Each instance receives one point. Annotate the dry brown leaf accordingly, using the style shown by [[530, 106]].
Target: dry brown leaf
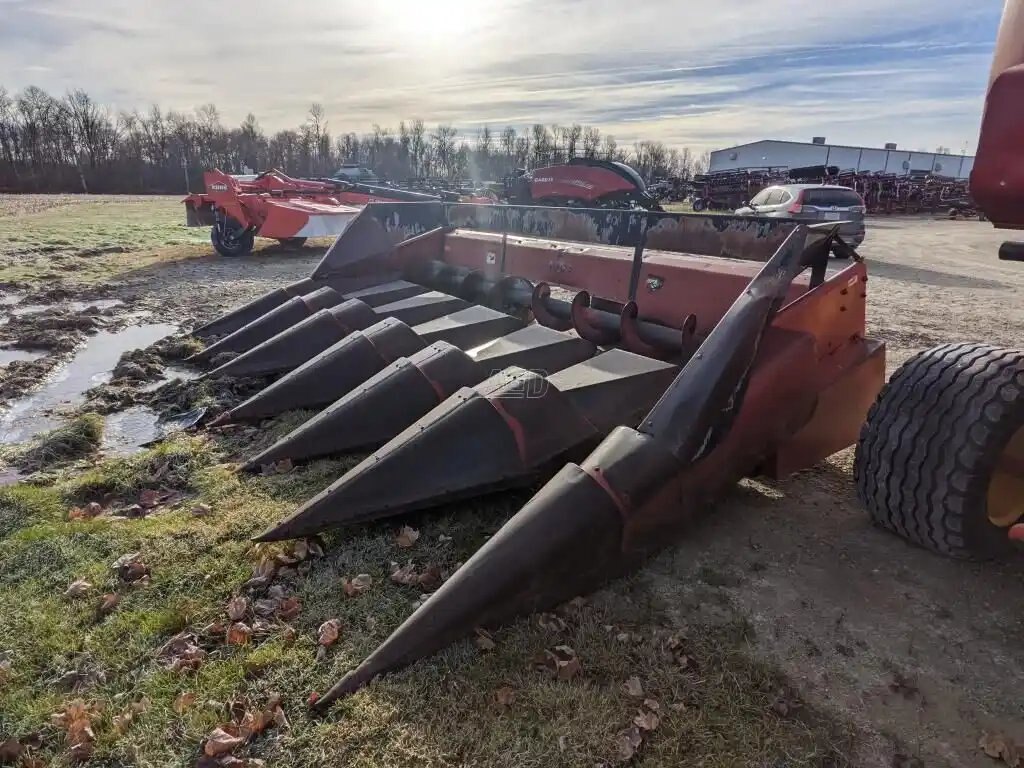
[[315, 550], [201, 510], [289, 608], [239, 634], [328, 632], [222, 741], [357, 585], [122, 722], [288, 636], [647, 721], [265, 608], [183, 701], [406, 575], [10, 751], [107, 604], [628, 743], [484, 641], [407, 537], [81, 751], [566, 664], [237, 608], [142, 705], [999, 746], [430, 579], [77, 588], [652, 704], [88, 512], [551, 622], [633, 687], [505, 696], [130, 567]]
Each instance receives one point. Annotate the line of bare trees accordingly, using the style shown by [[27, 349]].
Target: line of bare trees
[[74, 144]]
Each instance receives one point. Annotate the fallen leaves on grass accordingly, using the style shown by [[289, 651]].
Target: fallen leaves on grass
[[429, 579], [628, 742], [561, 662], [357, 585], [328, 633], [999, 746], [282, 467], [123, 721], [77, 588], [183, 702], [76, 719], [647, 721], [484, 641], [239, 633], [10, 751], [130, 568], [633, 687], [222, 741], [551, 622], [182, 653], [88, 512], [407, 537], [505, 696], [237, 607], [107, 604], [201, 510]]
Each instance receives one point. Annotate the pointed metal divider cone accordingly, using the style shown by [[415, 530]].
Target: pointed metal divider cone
[[291, 348], [342, 367], [502, 433], [373, 289], [276, 320], [303, 341], [372, 414], [592, 522]]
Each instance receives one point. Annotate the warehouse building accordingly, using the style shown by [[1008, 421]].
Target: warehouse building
[[795, 154]]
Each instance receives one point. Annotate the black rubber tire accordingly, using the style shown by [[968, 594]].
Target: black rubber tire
[[699, 204], [240, 245], [292, 242], [931, 442]]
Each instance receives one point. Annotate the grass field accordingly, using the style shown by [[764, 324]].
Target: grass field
[[142, 664]]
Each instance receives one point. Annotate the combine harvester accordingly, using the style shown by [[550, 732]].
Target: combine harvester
[[653, 359]]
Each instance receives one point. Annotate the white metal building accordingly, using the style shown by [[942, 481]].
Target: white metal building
[[794, 154]]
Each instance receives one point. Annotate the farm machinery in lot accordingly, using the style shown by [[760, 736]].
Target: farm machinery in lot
[[239, 209], [639, 362]]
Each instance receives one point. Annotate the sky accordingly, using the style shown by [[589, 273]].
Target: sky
[[703, 75]]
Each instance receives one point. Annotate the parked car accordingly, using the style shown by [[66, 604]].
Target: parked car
[[812, 202]]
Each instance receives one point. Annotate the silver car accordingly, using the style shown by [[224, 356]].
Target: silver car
[[812, 202]]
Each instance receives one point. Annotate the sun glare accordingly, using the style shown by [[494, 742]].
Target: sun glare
[[433, 22]]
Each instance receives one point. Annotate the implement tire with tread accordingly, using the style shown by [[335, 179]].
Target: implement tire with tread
[[932, 442]]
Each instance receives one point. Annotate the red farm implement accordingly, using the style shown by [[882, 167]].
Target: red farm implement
[[640, 362], [239, 209]]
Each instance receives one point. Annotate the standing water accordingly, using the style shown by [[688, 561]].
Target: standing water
[[92, 365]]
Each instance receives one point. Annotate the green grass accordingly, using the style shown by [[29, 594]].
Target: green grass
[[88, 238], [77, 439], [716, 711]]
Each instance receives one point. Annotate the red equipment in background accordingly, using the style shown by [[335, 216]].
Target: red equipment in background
[[997, 181], [583, 182], [270, 205]]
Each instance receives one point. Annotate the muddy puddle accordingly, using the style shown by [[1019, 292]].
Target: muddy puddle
[[127, 431], [8, 356], [73, 306], [66, 387]]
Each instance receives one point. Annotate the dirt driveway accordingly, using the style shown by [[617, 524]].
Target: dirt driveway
[[922, 649]]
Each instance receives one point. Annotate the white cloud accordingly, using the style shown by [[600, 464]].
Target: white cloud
[[859, 71]]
